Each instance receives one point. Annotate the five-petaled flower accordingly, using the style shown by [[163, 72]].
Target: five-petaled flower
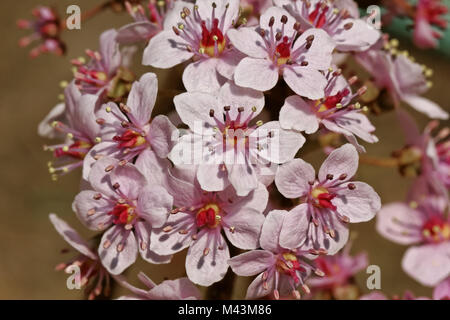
[[329, 202], [124, 204], [278, 47]]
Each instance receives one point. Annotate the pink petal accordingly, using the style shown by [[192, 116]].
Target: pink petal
[[211, 177], [248, 41], [426, 106], [256, 289], [194, 110], [165, 50], [246, 226], [252, 262], [45, 128], [442, 290], [236, 97], [206, 269], [100, 179], [282, 146], [360, 204], [428, 264], [359, 37], [277, 13], [317, 239], [163, 135], [178, 289], [305, 81], [228, 62], [295, 227], [201, 76], [271, 230], [399, 223], [154, 205], [292, 178], [358, 124], [145, 251], [71, 236], [318, 55], [136, 32], [258, 74], [130, 180], [142, 97], [152, 167], [109, 50], [343, 160], [257, 199], [113, 260], [85, 203], [243, 177], [166, 243], [298, 115]]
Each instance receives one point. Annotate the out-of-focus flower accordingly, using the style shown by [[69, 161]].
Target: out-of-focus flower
[[252, 10], [273, 49], [200, 32], [327, 203], [46, 27], [424, 157], [281, 265], [340, 271], [429, 14], [93, 276], [427, 226], [349, 34], [404, 79], [159, 16], [75, 122], [127, 207], [106, 74], [226, 146], [179, 289], [198, 220], [335, 112], [131, 129]]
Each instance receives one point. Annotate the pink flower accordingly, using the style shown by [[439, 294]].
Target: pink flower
[[273, 49], [226, 146], [198, 220], [281, 268], [335, 112], [46, 28], [160, 15], [424, 157], [106, 67], [94, 276], [79, 130], [179, 289], [131, 130], [404, 79], [425, 225], [328, 202], [348, 33], [429, 13], [127, 207], [200, 33], [339, 269]]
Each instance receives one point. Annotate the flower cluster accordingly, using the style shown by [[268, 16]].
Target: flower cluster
[[205, 178]]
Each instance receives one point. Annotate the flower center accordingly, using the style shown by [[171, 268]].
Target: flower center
[[322, 198], [208, 216], [213, 42], [283, 51], [318, 17], [124, 213], [331, 101], [77, 150], [288, 264], [436, 230], [130, 139]]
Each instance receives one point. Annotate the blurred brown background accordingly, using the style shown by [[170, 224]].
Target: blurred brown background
[[30, 247]]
